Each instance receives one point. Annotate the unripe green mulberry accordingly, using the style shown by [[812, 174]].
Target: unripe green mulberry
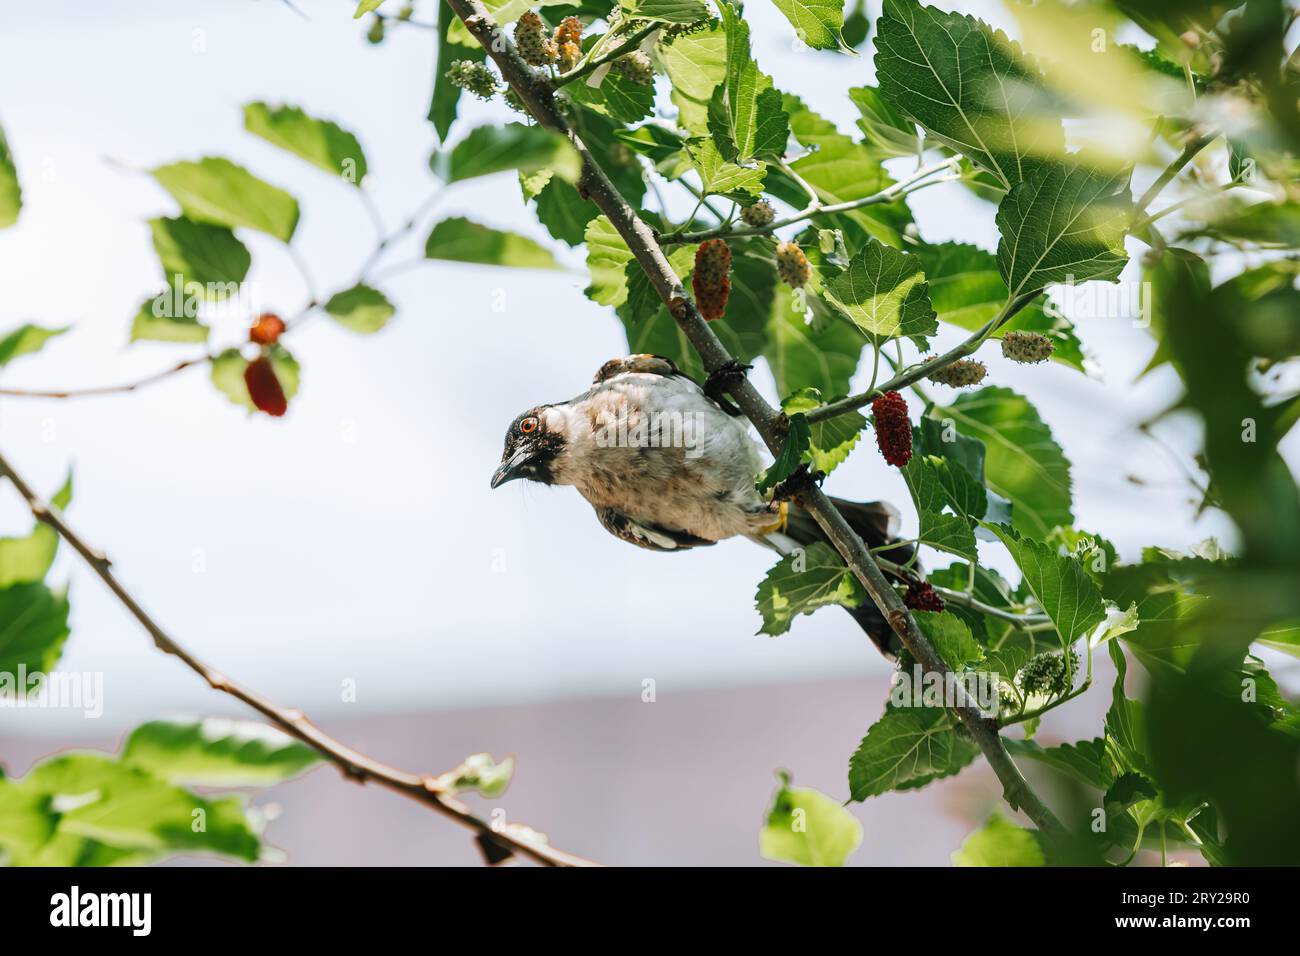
[[759, 214], [534, 45], [1046, 673], [792, 265], [711, 281], [474, 78], [960, 374], [376, 32], [636, 66], [1027, 347]]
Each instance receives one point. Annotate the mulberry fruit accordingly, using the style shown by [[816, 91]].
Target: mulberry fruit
[[960, 374], [921, 596], [792, 265], [376, 32], [758, 215], [534, 45], [568, 43], [1027, 347], [266, 330], [1046, 673], [264, 388], [893, 428], [711, 281], [474, 78], [635, 66]]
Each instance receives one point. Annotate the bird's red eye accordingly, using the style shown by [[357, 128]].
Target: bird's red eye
[[528, 425]]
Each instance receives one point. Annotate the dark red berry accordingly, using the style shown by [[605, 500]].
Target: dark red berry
[[711, 281], [267, 329], [264, 388], [893, 428], [921, 596]]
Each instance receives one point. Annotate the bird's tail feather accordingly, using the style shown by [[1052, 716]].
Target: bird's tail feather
[[877, 523]]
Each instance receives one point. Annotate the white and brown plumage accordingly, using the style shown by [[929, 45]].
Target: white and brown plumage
[[666, 467]]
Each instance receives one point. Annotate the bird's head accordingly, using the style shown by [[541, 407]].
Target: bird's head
[[533, 442]]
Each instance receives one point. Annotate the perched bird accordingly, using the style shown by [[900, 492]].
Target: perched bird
[[669, 465]]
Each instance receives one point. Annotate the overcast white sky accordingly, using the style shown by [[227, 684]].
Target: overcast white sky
[[372, 559]]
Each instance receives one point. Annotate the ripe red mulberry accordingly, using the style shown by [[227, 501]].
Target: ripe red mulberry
[[960, 374], [759, 214], [921, 596], [711, 281], [534, 45], [264, 388], [893, 428], [792, 265], [267, 329], [1027, 347]]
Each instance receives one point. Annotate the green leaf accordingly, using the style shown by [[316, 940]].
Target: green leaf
[[209, 257], [607, 259], [494, 149], [228, 374], [320, 142], [127, 808], [884, 292], [794, 450], [1064, 224], [33, 629], [807, 827], [718, 177], [623, 100], [1000, 843], [564, 213], [11, 194], [968, 86], [665, 11], [908, 748], [154, 323], [1085, 761], [25, 340], [216, 191], [830, 440], [1165, 636], [1063, 588], [951, 638], [816, 22], [1023, 464], [696, 64], [361, 309], [937, 485], [216, 752], [967, 290], [884, 127], [366, 6], [806, 351], [803, 581], [29, 558], [460, 240], [745, 115], [446, 95]]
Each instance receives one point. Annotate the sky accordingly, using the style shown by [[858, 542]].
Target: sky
[[356, 541]]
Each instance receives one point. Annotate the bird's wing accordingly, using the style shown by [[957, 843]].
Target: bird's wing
[[652, 364], [647, 535]]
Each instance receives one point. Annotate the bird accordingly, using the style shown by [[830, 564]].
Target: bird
[[668, 464]]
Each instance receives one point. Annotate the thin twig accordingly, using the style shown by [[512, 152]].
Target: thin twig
[[816, 207], [424, 788], [771, 425], [107, 389], [1172, 170]]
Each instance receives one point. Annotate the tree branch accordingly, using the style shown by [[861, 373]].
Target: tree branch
[[537, 95], [423, 788]]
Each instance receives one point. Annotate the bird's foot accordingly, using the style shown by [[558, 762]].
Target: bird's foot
[[722, 380], [800, 481]]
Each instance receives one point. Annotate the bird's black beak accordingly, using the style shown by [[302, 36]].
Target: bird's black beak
[[512, 469]]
